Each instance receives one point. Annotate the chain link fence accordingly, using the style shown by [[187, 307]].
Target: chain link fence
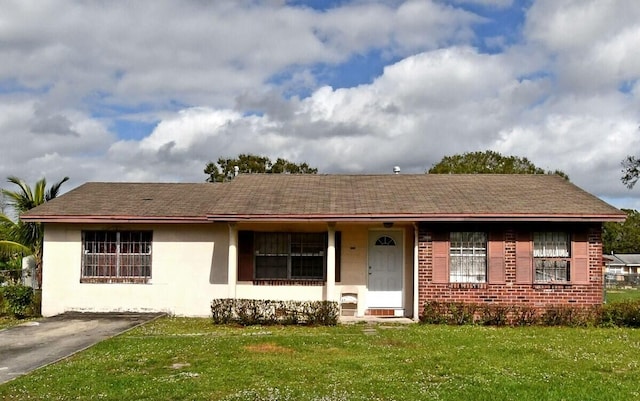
[[622, 280]]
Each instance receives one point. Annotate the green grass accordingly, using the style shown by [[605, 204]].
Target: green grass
[[190, 359], [621, 295]]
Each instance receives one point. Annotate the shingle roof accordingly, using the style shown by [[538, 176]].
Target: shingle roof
[[129, 201], [624, 259], [418, 197]]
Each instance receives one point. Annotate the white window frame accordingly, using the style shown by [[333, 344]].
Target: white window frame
[[468, 257], [551, 257]]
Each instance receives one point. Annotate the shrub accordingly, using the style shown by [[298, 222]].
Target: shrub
[[495, 315], [524, 316], [461, 313], [248, 312], [18, 298], [457, 313], [433, 313], [222, 310], [621, 314]]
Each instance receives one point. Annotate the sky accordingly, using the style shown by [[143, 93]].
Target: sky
[[154, 90]]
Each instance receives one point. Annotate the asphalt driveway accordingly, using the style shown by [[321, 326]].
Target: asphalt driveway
[[34, 344]]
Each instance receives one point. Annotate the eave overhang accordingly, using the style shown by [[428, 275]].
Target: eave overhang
[[587, 218], [116, 219], [391, 217]]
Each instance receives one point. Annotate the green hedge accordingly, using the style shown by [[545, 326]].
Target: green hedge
[[248, 312], [18, 299], [619, 314]]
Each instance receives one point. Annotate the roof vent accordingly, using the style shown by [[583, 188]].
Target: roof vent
[[396, 170], [236, 169]]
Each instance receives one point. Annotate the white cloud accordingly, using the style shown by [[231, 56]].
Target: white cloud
[[203, 71], [487, 3], [593, 43]]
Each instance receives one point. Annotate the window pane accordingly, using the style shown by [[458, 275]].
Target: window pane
[[290, 255], [307, 267], [116, 254], [468, 257], [550, 251], [310, 244], [271, 267], [551, 244], [552, 270], [273, 244]]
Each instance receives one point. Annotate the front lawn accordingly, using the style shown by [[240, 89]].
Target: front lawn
[[622, 294], [190, 359]]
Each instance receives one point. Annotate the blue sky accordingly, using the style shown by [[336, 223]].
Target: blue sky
[[152, 91]]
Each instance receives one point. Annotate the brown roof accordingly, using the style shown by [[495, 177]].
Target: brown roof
[[276, 197], [111, 201]]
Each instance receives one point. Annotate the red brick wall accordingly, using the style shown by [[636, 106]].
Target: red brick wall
[[510, 292]]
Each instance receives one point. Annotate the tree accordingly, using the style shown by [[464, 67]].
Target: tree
[[223, 169], [630, 171], [488, 162], [622, 237], [26, 238]]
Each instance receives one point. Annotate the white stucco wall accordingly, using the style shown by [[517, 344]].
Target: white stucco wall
[[185, 272], [190, 268]]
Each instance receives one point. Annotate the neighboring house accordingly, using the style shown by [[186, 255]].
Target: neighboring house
[[622, 268], [385, 243], [622, 263]]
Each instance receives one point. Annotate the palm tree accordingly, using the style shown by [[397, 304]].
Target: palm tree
[[26, 238]]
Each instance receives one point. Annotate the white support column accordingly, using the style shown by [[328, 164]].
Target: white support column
[[331, 262], [416, 269], [233, 260]]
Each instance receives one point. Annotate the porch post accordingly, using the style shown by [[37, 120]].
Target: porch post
[[233, 260], [416, 281], [331, 262]]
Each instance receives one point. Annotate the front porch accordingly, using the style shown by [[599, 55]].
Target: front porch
[[368, 268]]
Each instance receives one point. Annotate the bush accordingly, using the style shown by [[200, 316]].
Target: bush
[[454, 313], [524, 316], [248, 312], [621, 314], [496, 315], [19, 299], [433, 313]]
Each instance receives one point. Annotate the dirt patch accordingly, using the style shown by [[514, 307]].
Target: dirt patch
[[267, 348]]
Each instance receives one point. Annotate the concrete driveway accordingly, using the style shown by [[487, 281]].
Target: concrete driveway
[[34, 344]]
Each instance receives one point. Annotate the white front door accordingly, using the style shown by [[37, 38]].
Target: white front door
[[385, 269]]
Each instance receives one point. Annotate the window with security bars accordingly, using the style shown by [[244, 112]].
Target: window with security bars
[[116, 255], [551, 256], [468, 257], [290, 256]]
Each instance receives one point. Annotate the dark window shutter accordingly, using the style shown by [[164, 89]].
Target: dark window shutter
[[245, 255], [440, 273], [524, 258], [496, 258], [580, 259], [338, 254]]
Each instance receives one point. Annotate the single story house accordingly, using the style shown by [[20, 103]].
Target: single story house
[[622, 269], [384, 243], [622, 263]]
